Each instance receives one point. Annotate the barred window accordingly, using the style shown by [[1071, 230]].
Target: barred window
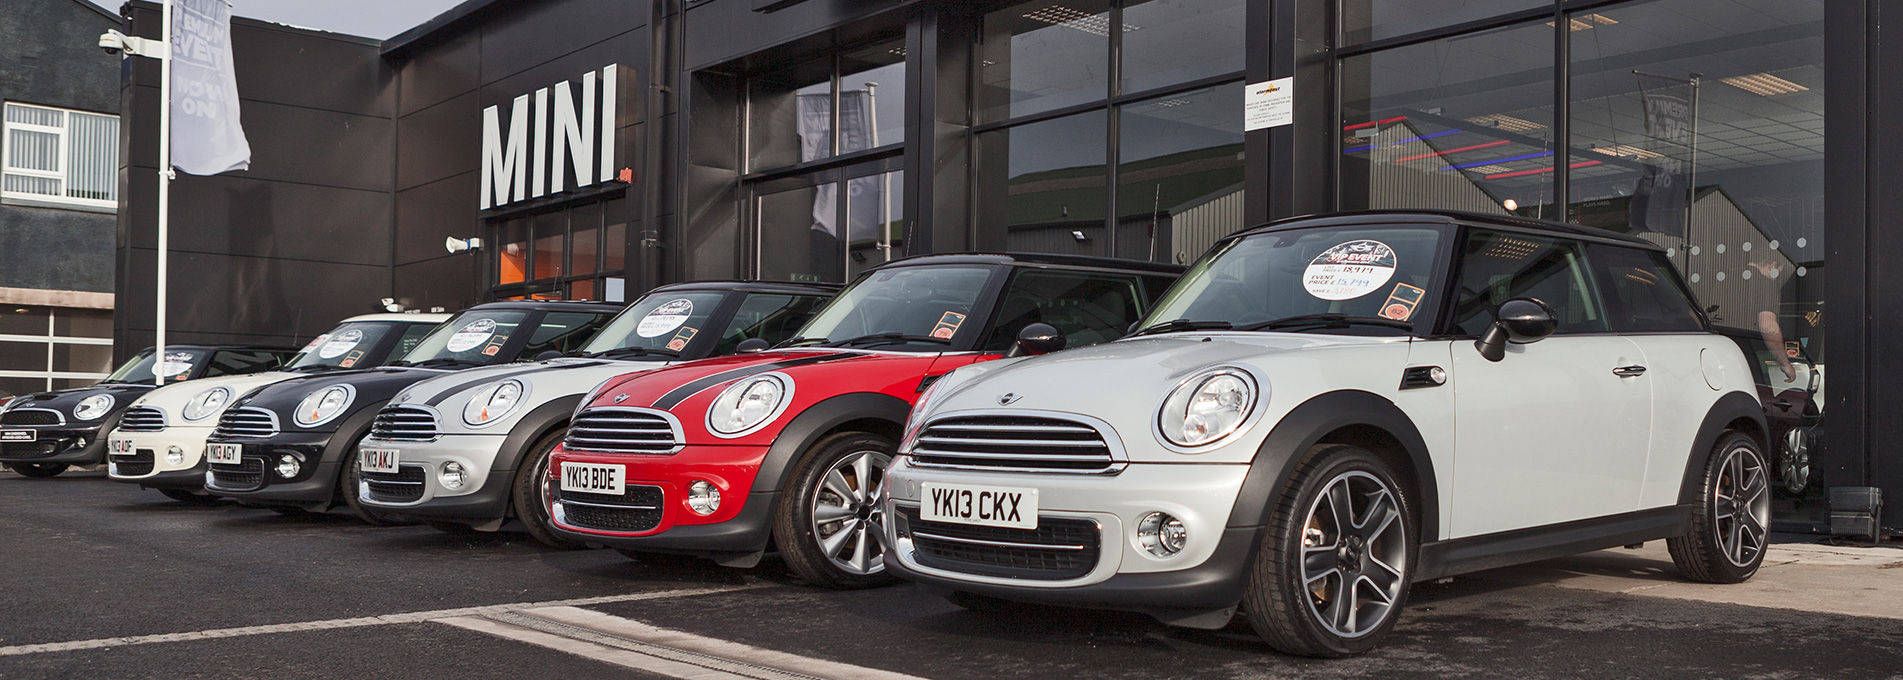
[[60, 156]]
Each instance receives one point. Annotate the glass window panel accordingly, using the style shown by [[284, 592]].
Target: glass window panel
[[1087, 308], [92, 165], [773, 318], [22, 356], [1641, 292], [82, 323], [11, 387], [1043, 184], [583, 289], [34, 115], [512, 258], [1179, 181], [872, 97], [551, 230], [584, 245], [82, 358], [1166, 42], [1497, 267], [1463, 123], [799, 235], [33, 150], [22, 320], [614, 248], [563, 332], [875, 220], [1365, 20], [1042, 55], [70, 383], [791, 115]]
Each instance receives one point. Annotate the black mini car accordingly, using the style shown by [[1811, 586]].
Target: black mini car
[[43, 434], [287, 445]]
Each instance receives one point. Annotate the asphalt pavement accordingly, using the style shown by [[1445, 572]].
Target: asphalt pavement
[[104, 580]]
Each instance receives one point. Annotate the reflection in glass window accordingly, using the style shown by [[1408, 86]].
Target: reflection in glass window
[[1050, 196], [875, 221], [930, 301], [1497, 267], [1087, 308], [872, 97], [799, 235], [1166, 42], [1179, 180], [773, 318], [1265, 276], [1041, 55], [512, 257], [790, 114], [1463, 123], [1365, 20], [550, 230]]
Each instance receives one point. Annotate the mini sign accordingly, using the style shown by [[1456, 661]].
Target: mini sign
[[558, 138]]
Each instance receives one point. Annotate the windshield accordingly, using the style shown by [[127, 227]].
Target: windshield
[[659, 322], [924, 308], [177, 367], [1362, 271], [345, 346], [473, 338]]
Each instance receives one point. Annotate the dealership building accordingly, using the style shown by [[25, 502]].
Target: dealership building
[[597, 148]]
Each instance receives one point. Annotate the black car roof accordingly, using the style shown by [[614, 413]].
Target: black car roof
[[1140, 266], [1423, 216], [751, 287], [605, 307]]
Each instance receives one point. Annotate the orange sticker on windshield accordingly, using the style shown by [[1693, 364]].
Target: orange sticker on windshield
[[948, 324], [681, 338], [1402, 302]]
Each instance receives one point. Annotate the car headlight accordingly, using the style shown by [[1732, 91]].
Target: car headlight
[[1207, 407], [746, 406], [915, 420], [93, 407], [493, 402], [324, 405], [207, 404]]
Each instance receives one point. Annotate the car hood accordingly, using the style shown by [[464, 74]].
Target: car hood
[[542, 382], [63, 401], [863, 371], [172, 398]]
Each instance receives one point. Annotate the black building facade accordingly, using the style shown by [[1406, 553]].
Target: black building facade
[[600, 147]]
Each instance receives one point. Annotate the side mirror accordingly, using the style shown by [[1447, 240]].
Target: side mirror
[[1039, 338], [1518, 321], [751, 345], [550, 354]]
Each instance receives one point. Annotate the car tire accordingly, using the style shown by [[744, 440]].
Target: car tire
[[1309, 564], [38, 470], [347, 485], [826, 523], [189, 498], [1731, 521], [530, 493]]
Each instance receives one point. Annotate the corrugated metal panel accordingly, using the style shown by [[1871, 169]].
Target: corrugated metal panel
[[1195, 228]]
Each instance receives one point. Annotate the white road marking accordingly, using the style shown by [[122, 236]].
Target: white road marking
[[358, 622]]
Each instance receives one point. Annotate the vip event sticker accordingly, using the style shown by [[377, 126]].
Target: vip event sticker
[[1349, 270], [1402, 302], [665, 318], [175, 364], [340, 344], [472, 335], [948, 324]]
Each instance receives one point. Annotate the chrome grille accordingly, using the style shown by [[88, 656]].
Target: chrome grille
[[246, 423], [1060, 548], [142, 419], [1034, 443], [624, 430], [404, 423], [403, 486], [636, 509]]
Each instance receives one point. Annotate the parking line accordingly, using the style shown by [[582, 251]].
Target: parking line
[[359, 622]]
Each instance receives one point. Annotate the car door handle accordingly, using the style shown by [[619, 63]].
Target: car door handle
[[1632, 371]]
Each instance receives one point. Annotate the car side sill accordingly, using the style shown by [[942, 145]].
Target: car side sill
[[1441, 559]]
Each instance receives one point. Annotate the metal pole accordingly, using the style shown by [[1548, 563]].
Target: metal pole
[[884, 244], [165, 183], [1691, 170]]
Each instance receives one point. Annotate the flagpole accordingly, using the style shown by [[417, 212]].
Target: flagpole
[[165, 184]]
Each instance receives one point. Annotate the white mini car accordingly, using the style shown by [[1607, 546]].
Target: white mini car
[[470, 449], [160, 441], [1326, 410]]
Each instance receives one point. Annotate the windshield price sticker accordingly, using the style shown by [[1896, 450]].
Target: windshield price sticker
[[337, 346], [1349, 270], [948, 324], [665, 318], [680, 340], [175, 364], [1402, 302], [351, 360], [472, 335]]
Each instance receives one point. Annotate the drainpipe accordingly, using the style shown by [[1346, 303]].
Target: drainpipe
[[661, 26]]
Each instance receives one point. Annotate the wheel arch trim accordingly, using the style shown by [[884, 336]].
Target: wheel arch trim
[[1311, 422], [1728, 409]]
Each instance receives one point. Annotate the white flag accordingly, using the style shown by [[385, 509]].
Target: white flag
[[207, 137]]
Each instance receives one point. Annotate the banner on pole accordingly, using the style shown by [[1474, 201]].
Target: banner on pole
[[1661, 202], [207, 137]]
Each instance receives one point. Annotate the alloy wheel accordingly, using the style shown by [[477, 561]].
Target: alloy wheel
[[845, 512], [1741, 505], [1354, 554], [1794, 465]]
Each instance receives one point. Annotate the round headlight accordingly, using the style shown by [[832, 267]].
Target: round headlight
[[288, 466], [207, 404], [748, 405], [453, 475], [1207, 407], [324, 405], [703, 497], [93, 407], [493, 402]]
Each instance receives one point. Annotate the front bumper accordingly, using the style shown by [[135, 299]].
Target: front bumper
[[417, 490], [1206, 576], [149, 465], [653, 513], [256, 480], [61, 444]]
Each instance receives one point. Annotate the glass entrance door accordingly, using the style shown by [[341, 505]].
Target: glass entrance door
[[827, 227]]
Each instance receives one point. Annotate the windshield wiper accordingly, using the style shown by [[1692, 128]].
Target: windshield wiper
[[1325, 320], [889, 336], [313, 368], [442, 361], [797, 342], [629, 351], [1175, 325]]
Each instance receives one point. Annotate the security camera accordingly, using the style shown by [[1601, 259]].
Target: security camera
[[114, 42], [456, 245]]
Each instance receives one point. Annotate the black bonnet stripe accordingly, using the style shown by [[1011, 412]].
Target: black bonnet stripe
[[679, 394], [447, 392]]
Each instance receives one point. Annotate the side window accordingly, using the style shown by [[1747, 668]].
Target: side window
[[1642, 292], [773, 318], [235, 362], [563, 332], [413, 335], [1087, 308], [1496, 267]]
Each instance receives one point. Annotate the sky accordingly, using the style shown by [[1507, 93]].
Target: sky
[[368, 18]]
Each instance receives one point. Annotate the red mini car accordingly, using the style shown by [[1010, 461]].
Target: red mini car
[[724, 458]]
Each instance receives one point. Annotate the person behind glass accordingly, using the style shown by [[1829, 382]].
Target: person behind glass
[[1770, 329]]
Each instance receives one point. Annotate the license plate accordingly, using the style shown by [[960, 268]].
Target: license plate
[[224, 454], [990, 506], [594, 478], [119, 446], [19, 436], [376, 460]]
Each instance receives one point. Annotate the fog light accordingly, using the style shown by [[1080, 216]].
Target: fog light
[[453, 475], [174, 455], [702, 497], [1161, 535], [288, 466], [208, 479]]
